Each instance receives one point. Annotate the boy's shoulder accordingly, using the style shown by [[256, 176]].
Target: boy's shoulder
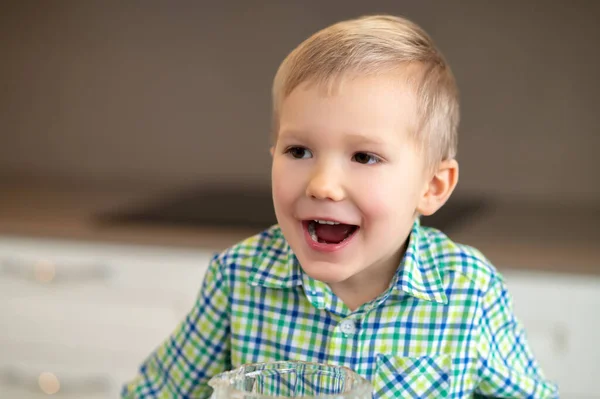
[[450, 257], [268, 253]]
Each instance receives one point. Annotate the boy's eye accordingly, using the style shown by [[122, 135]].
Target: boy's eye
[[366, 158], [299, 152]]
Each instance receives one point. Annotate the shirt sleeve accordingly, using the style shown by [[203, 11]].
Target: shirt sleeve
[[197, 350], [509, 369]]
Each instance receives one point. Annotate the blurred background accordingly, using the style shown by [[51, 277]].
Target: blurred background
[[134, 143]]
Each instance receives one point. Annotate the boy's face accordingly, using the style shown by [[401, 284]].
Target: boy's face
[[347, 158]]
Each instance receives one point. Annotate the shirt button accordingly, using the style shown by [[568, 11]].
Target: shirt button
[[348, 327]]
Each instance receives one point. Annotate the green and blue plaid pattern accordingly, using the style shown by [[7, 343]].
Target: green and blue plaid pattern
[[444, 328]]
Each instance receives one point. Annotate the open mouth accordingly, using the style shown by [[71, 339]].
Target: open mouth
[[329, 232]]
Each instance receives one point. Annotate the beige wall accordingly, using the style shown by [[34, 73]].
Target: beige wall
[[178, 92]]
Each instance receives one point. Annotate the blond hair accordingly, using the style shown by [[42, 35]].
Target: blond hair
[[378, 44]]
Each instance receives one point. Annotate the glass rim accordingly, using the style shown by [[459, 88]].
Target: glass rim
[[363, 386]]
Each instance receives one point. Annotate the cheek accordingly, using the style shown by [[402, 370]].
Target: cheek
[[284, 182], [388, 197]]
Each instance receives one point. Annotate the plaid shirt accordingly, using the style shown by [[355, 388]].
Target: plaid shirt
[[443, 329]]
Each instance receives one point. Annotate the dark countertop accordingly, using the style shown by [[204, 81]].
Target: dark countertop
[[513, 235]]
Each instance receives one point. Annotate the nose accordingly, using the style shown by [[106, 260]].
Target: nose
[[325, 184]]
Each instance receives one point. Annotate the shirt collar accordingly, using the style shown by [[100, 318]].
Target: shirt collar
[[276, 266], [418, 274]]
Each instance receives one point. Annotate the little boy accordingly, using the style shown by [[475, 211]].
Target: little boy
[[364, 141]]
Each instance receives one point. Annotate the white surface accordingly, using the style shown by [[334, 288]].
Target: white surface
[[561, 314], [93, 330], [88, 313]]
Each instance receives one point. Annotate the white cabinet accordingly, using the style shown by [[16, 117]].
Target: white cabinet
[[561, 314], [87, 314]]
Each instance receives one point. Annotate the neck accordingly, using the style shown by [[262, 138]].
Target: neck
[[369, 284]]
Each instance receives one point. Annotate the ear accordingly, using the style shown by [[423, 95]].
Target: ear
[[272, 150], [439, 188]]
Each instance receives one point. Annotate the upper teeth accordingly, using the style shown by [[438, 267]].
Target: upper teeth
[[326, 222]]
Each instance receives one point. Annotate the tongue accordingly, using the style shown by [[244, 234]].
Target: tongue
[[332, 233]]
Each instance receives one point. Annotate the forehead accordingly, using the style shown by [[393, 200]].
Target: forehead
[[375, 106]]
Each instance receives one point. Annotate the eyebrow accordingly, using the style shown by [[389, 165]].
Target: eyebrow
[[290, 133], [364, 139], [355, 138]]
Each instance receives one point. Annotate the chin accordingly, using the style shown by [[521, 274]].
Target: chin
[[326, 272]]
